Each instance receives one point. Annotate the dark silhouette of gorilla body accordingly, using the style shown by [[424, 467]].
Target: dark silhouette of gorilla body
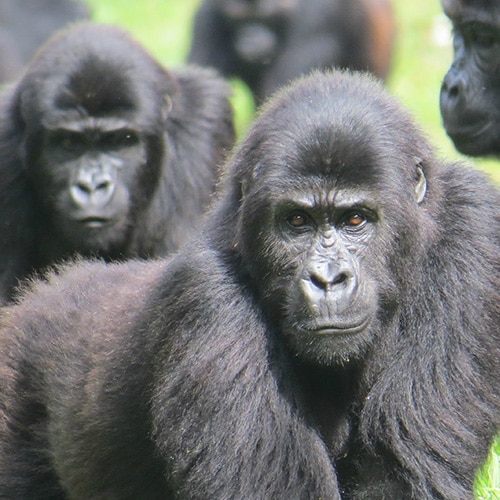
[[105, 153], [25, 25], [269, 43], [332, 332], [470, 93]]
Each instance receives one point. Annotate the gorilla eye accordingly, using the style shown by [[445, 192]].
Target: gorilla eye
[[298, 220], [484, 40], [354, 220], [119, 138], [71, 142], [480, 35]]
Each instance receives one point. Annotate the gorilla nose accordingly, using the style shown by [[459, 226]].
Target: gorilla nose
[[329, 278], [451, 91], [325, 283], [92, 188]]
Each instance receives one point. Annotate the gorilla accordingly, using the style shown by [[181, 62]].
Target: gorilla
[[470, 93], [25, 25], [268, 43], [105, 153], [332, 331]]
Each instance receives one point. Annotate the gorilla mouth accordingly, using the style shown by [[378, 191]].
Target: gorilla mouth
[[95, 222], [468, 132], [338, 328]]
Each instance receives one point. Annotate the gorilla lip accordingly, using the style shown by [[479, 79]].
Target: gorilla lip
[[95, 222], [467, 133], [333, 329]]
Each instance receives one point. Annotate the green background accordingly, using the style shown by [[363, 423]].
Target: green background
[[422, 55]]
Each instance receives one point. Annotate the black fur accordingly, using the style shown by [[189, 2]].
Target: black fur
[[267, 44], [90, 79], [196, 378]]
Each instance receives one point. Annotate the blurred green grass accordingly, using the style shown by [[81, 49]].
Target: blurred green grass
[[422, 56], [420, 59]]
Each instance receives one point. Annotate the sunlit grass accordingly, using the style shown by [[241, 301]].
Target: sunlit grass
[[488, 479]]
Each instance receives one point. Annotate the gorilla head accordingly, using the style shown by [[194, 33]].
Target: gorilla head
[[332, 216], [470, 93], [91, 133]]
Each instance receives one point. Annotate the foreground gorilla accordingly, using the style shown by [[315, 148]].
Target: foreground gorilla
[[103, 152], [268, 43], [470, 93], [331, 333]]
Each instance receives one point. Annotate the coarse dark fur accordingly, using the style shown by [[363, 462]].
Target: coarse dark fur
[[95, 106], [231, 372], [470, 93], [267, 44]]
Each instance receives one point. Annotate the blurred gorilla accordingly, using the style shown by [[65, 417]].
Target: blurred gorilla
[[25, 25], [332, 332], [105, 153], [470, 93], [267, 43]]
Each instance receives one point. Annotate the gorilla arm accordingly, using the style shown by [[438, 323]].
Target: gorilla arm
[[224, 397]]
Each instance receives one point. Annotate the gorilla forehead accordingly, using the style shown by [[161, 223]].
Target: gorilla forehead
[[324, 145], [338, 128], [92, 70]]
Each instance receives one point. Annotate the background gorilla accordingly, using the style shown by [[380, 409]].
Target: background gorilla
[[268, 43], [103, 152], [25, 25], [333, 330], [470, 93]]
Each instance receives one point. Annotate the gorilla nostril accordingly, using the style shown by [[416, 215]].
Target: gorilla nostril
[[325, 283], [319, 281], [84, 187], [454, 91], [103, 186], [340, 278]]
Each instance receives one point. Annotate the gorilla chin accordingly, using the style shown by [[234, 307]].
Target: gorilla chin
[[472, 140], [332, 344]]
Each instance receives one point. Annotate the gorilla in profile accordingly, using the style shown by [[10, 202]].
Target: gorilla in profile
[[331, 332], [105, 153], [470, 93]]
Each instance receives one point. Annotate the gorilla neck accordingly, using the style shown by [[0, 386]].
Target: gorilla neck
[[328, 394]]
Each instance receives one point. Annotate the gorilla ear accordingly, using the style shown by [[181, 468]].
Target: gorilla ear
[[168, 104], [247, 179], [421, 185]]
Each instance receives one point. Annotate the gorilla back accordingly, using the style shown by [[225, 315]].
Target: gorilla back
[[105, 153], [332, 332]]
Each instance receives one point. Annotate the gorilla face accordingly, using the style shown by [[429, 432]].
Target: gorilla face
[[318, 227], [85, 174], [314, 253], [470, 93], [94, 150]]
